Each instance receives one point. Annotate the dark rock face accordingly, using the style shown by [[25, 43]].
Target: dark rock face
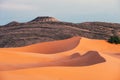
[[75, 55], [41, 30]]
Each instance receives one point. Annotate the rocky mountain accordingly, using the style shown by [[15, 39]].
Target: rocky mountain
[[42, 29]]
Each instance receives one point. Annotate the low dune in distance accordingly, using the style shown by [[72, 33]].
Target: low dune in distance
[[71, 59]]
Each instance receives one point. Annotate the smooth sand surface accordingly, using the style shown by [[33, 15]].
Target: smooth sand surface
[[99, 45], [71, 59]]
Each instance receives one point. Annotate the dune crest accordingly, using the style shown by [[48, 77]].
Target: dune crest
[[49, 47]]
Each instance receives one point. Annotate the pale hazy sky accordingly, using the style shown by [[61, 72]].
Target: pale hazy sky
[[65, 10]]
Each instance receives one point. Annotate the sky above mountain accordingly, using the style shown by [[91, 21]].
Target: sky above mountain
[[65, 10]]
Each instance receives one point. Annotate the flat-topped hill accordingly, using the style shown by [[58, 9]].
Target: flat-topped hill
[[44, 19]]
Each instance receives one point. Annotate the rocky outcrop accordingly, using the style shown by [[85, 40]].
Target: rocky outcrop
[[45, 19]]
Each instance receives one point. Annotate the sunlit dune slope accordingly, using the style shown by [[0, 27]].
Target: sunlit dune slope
[[98, 45], [9, 57]]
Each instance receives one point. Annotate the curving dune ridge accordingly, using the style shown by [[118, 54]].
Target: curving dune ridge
[[49, 47], [70, 59]]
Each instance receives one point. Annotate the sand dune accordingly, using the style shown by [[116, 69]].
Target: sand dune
[[49, 47], [99, 45], [72, 59]]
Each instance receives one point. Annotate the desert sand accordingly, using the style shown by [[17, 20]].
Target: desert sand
[[71, 59]]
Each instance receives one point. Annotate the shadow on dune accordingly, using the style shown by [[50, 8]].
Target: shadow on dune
[[117, 54], [74, 60], [89, 58]]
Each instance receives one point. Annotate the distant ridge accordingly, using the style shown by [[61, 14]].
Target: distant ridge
[[13, 23]]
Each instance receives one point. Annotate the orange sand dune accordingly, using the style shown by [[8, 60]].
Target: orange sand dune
[[61, 60], [98, 45], [49, 47]]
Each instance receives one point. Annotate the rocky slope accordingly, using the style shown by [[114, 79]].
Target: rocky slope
[[42, 29]]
